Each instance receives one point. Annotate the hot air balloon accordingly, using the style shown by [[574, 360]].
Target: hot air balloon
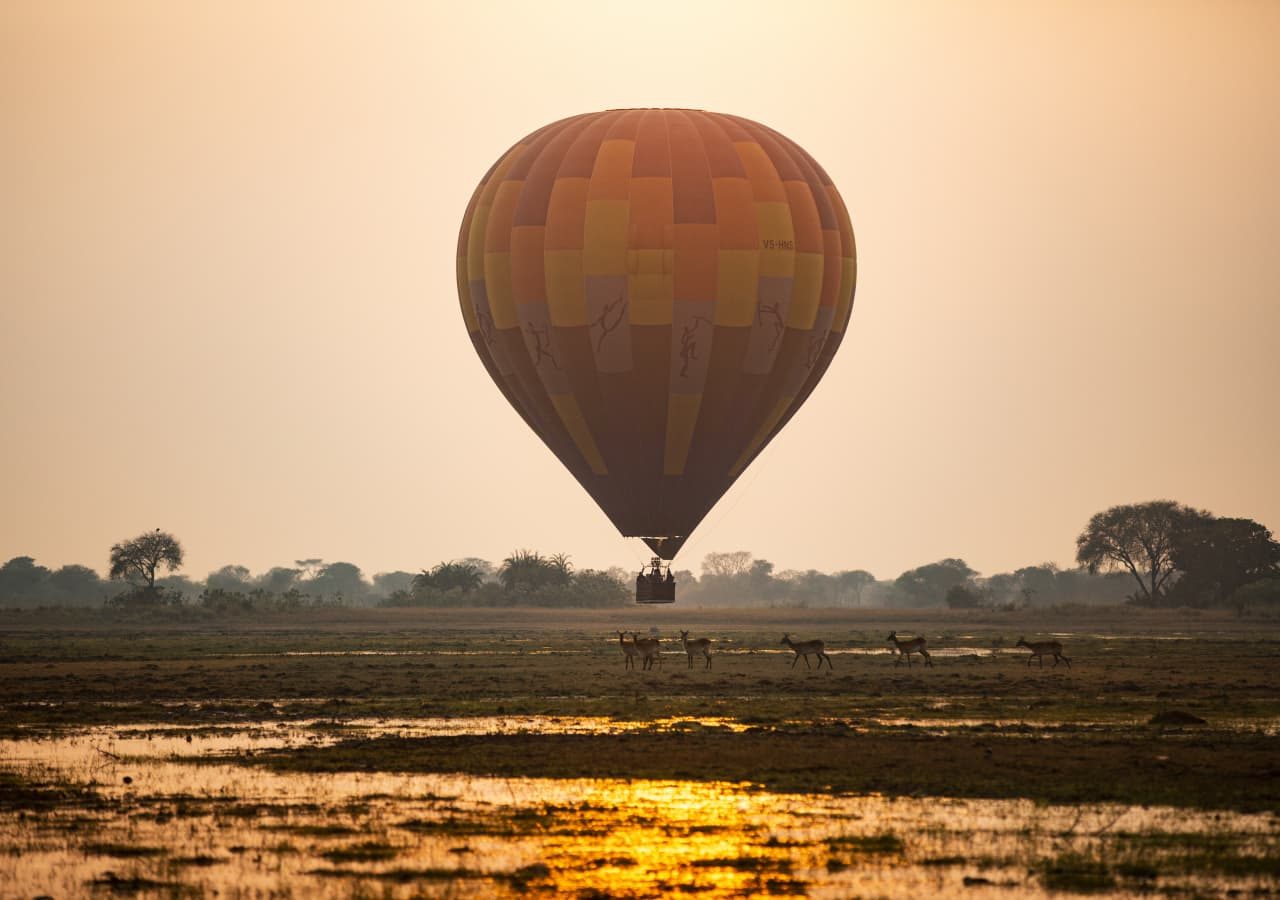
[[656, 292]]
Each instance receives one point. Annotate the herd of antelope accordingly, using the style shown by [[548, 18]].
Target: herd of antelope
[[649, 651]]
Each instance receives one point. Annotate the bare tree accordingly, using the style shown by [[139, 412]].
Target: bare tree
[[138, 560], [1138, 538], [735, 563]]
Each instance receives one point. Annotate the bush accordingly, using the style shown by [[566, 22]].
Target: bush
[[225, 602], [145, 598], [588, 588], [960, 596]]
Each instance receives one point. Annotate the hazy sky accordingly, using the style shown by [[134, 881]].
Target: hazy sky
[[228, 308]]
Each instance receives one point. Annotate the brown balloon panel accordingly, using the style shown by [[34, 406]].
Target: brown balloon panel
[[656, 292]]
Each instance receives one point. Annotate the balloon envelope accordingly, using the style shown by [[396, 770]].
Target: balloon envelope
[[656, 292]]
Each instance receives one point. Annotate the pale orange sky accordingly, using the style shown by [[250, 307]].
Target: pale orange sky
[[227, 300]]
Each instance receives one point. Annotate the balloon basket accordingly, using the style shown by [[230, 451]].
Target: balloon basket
[[655, 586]]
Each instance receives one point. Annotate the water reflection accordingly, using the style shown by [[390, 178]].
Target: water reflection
[[153, 822]]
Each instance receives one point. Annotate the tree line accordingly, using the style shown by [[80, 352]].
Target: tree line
[[1159, 553]]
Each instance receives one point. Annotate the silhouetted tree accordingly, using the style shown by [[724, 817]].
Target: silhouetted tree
[[854, 583], [179, 587], [1137, 538], [1263, 592], [387, 583], [76, 583], [1038, 582], [590, 587], [929, 584], [963, 596], [1217, 557], [564, 568], [309, 568], [230, 578], [279, 580], [19, 578], [487, 570], [462, 576], [525, 570], [339, 579], [737, 562], [137, 561]]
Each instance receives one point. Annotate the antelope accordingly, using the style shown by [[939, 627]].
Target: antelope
[[649, 650], [1041, 648], [701, 645], [628, 650], [804, 648], [906, 648]]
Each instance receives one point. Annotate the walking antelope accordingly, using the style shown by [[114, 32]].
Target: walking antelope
[[628, 650], [906, 648], [804, 648], [694, 647], [649, 650], [1043, 648]]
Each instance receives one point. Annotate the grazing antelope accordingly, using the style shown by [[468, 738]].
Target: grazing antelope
[[628, 650], [1041, 648], [906, 648], [804, 648], [649, 650], [701, 645]]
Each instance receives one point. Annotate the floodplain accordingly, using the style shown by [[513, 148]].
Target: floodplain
[[459, 753]]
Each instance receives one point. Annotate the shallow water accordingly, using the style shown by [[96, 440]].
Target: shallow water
[[160, 823]]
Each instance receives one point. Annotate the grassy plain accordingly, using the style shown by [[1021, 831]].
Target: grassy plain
[[978, 723]]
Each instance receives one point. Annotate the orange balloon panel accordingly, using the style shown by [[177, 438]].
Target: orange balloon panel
[[656, 292]]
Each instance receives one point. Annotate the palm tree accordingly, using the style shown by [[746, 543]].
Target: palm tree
[[526, 570], [448, 576]]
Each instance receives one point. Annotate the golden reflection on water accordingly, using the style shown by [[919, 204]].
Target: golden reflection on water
[[248, 831]]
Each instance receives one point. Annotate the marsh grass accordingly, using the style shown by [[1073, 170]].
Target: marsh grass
[[32, 793], [137, 884], [124, 851], [1183, 853], [1076, 872], [202, 861], [883, 843], [313, 830], [369, 851], [520, 879], [1210, 770]]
